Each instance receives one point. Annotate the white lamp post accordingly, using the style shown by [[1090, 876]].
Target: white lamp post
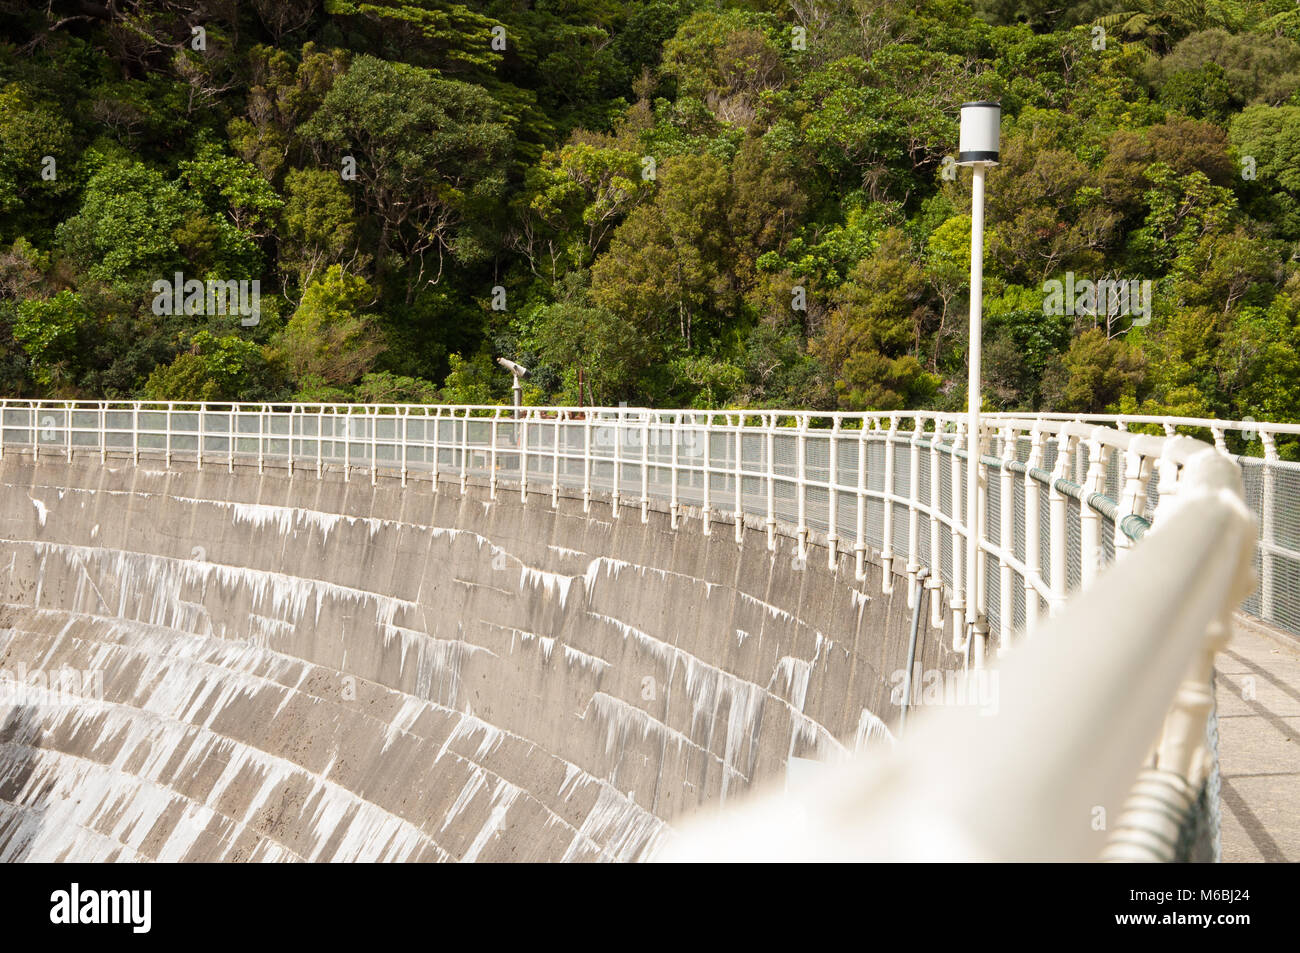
[[977, 148]]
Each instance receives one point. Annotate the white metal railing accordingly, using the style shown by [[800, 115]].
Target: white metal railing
[[1271, 486], [1050, 775], [1059, 498]]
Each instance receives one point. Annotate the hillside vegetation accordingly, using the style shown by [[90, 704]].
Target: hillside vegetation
[[675, 202]]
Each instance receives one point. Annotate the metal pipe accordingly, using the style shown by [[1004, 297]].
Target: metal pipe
[[911, 647]]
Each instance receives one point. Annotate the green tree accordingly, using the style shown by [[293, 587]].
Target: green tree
[[448, 36], [129, 225], [470, 381], [430, 156], [1092, 375], [319, 225], [53, 332], [604, 350], [1267, 141], [667, 267], [30, 131], [580, 195], [1257, 68], [388, 388], [868, 341], [331, 337], [226, 368]]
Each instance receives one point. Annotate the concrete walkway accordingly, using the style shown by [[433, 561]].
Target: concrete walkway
[[1259, 744]]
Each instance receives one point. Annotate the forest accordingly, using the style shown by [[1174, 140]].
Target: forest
[[677, 203]]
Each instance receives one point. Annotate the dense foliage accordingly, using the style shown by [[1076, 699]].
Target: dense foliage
[[672, 202]]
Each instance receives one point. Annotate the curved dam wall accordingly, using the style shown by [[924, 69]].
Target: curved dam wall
[[227, 664]]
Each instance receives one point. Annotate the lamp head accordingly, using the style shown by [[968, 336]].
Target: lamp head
[[980, 127]]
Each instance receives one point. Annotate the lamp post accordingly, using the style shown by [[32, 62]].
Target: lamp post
[[977, 148]]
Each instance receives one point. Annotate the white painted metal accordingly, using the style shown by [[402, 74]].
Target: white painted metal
[[974, 584], [807, 498], [1078, 710]]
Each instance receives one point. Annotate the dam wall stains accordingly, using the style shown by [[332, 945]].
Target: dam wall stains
[[280, 666]]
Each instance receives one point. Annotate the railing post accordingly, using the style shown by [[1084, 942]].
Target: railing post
[[706, 512], [203, 409], [770, 522], [437, 424], [555, 460], [404, 417], [1057, 533], [618, 464], [347, 445], [67, 423], [320, 439], [645, 466], [1137, 469], [673, 497], [261, 430], [492, 456], [1092, 556], [1006, 541], [860, 524], [372, 418], [887, 523], [981, 553], [801, 469], [521, 421], [833, 497], [1166, 484], [740, 480], [135, 434], [959, 529], [1268, 530], [586, 461], [914, 512], [976, 558], [934, 578], [464, 452], [1033, 541]]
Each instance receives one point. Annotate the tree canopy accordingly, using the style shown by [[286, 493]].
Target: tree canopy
[[691, 202]]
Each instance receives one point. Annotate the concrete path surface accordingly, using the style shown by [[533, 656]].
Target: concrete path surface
[[1259, 744]]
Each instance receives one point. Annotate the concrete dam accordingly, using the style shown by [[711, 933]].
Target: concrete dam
[[346, 665]]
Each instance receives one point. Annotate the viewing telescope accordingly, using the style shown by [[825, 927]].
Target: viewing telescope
[[516, 369], [519, 372]]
